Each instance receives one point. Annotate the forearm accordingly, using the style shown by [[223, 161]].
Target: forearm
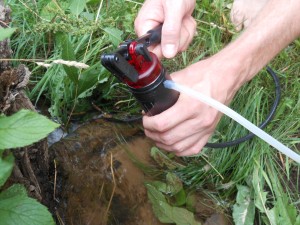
[[275, 27]]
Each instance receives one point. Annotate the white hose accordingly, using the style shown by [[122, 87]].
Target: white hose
[[237, 117]]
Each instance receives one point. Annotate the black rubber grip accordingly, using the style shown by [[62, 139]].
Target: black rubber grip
[[155, 37]]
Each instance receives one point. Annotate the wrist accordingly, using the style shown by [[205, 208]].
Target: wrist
[[233, 68]]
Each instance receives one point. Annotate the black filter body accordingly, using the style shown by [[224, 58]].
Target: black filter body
[[155, 98]]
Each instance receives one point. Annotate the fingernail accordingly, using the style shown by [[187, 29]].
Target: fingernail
[[169, 50]]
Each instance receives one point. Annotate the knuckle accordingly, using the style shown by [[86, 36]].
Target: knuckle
[[208, 122], [167, 139], [177, 148], [160, 125], [147, 133], [194, 150]]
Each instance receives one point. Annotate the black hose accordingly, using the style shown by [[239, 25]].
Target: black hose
[[262, 125]]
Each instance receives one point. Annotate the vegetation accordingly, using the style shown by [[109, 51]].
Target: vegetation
[[21, 129], [253, 182], [75, 31]]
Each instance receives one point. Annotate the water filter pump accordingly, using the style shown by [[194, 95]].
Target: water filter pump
[[141, 70], [144, 74]]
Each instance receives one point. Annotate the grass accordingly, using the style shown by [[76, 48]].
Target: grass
[[50, 30], [66, 92]]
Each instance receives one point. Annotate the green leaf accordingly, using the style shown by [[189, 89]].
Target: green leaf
[[260, 195], [68, 54], [244, 208], [160, 186], [171, 188], [273, 216], [283, 213], [90, 78], [297, 220], [167, 213], [50, 10], [6, 166], [190, 201], [260, 201], [286, 212], [174, 183], [291, 210], [77, 7], [163, 160], [114, 35], [14, 190], [24, 128], [181, 198], [53, 8], [6, 33], [92, 2], [20, 209]]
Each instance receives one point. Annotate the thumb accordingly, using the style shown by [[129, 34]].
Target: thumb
[[171, 28]]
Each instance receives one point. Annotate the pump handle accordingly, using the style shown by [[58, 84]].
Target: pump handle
[[151, 37]]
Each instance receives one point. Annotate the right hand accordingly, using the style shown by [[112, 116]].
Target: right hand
[[178, 24]]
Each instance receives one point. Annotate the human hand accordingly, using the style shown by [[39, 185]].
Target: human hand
[[186, 127], [243, 12], [178, 24]]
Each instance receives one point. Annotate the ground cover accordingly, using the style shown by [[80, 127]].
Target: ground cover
[[252, 182]]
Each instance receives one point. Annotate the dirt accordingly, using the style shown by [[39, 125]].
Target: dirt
[[5, 51], [98, 181]]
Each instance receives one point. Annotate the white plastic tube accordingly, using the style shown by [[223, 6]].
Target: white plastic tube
[[237, 117]]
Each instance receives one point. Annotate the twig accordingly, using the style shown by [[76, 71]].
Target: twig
[[281, 159], [22, 60], [101, 190], [98, 12], [55, 177], [61, 222], [96, 107], [46, 63], [114, 183], [31, 174], [3, 24], [215, 25]]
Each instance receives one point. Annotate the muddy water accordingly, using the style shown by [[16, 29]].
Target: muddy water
[[97, 183]]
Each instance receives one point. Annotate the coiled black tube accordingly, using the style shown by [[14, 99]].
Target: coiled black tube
[[262, 125]]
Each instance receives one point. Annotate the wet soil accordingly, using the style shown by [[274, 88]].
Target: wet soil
[[96, 179], [97, 183]]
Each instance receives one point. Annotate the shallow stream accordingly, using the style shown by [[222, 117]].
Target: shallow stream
[[96, 181]]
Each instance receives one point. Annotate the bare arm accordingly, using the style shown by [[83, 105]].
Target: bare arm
[[277, 25]]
